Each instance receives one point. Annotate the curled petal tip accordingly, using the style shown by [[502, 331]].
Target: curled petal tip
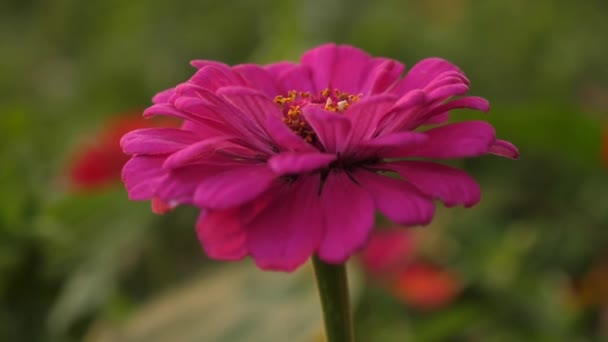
[[504, 148]]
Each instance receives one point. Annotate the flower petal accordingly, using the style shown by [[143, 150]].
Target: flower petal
[[297, 78], [338, 66], [365, 115], [290, 163], [234, 187], [504, 148], [221, 235], [450, 185], [259, 78], [252, 102], [349, 217], [163, 96], [457, 140], [288, 231], [200, 151], [396, 199], [156, 140], [142, 176], [331, 128], [404, 114], [382, 74], [213, 77], [439, 113], [321, 60], [423, 73], [286, 139], [395, 145]]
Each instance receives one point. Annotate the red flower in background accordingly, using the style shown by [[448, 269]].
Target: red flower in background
[[390, 258], [97, 163]]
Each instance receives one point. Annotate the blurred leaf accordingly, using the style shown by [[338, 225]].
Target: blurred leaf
[[96, 236]]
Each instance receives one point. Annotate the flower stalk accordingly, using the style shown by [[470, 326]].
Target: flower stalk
[[335, 302]]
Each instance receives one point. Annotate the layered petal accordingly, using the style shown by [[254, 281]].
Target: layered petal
[[331, 128], [396, 199], [290, 163], [423, 73], [504, 148], [156, 140], [221, 234], [234, 187], [257, 77], [457, 140], [365, 116], [289, 229], [142, 176], [343, 67], [348, 212], [450, 185]]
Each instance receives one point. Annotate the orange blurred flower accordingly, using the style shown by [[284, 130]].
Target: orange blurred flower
[[391, 259]]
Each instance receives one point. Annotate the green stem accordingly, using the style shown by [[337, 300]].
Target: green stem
[[333, 290]]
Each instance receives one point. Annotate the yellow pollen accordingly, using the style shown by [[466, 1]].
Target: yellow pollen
[[332, 100]]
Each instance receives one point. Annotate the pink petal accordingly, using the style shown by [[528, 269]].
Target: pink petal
[[395, 145], [383, 73], [436, 119], [164, 109], [235, 121], [470, 102], [180, 185], [201, 63], [279, 68], [212, 77], [198, 110], [343, 67], [443, 93], [156, 140], [284, 138], [504, 149], [163, 96], [257, 105], [297, 78], [290, 163], [457, 140], [365, 115], [450, 185], [331, 128], [221, 235], [259, 78], [142, 176], [200, 151], [349, 217], [404, 114], [350, 69], [288, 231], [396, 199], [423, 73], [234, 187], [321, 60]]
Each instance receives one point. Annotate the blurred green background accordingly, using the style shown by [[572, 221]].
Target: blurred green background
[[532, 257]]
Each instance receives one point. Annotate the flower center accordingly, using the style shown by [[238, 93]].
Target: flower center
[[332, 100]]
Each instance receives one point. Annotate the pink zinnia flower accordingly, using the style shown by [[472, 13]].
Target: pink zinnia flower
[[290, 159]]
